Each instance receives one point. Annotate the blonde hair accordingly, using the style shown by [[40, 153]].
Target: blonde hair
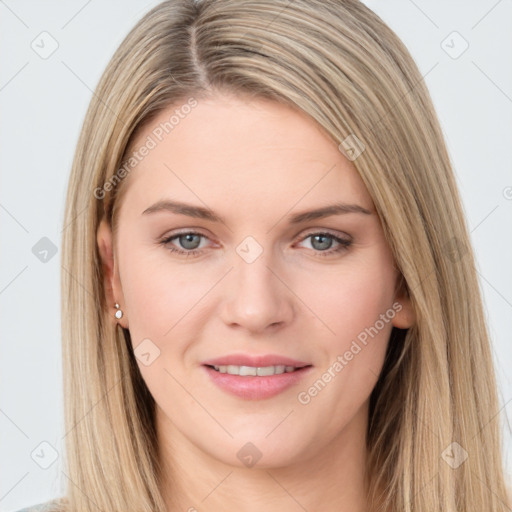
[[338, 62]]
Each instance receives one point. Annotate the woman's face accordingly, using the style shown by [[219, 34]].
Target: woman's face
[[219, 268]]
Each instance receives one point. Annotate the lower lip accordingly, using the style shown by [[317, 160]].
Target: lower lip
[[256, 388]]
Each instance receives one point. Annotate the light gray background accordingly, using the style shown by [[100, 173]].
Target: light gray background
[[43, 103]]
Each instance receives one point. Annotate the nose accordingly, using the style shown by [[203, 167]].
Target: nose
[[258, 299]]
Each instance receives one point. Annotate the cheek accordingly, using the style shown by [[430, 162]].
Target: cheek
[[158, 295], [163, 302], [347, 298], [351, 297], [355, 302], [357, 307]]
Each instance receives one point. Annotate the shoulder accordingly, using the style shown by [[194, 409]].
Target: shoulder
[[47, 506]]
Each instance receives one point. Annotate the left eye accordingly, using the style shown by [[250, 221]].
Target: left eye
[[322, 242]]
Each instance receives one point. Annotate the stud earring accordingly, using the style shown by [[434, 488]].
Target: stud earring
[[118, 314]]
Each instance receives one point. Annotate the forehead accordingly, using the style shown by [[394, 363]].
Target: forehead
[[241, 153]]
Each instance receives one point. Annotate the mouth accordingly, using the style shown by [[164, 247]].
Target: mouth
[[255, 377], [256, 371]]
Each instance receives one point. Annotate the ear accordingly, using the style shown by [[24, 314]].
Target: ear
[[111, 281], [405, 315]]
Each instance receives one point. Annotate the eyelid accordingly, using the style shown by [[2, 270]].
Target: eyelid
[[184, 231], [175, 234], [327, 231]]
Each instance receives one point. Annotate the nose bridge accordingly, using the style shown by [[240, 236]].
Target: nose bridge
[[258, 298]]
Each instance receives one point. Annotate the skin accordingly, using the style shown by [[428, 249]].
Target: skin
[[255, 163]]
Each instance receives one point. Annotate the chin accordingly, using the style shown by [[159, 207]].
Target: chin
[[258, 452]]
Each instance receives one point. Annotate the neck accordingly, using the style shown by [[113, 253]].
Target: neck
[[332, 480]]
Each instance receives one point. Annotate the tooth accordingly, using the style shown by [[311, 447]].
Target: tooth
[[264, 371], [261, 371], [247, 370]]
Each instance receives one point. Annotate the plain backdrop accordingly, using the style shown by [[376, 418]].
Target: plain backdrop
[[52, 56]]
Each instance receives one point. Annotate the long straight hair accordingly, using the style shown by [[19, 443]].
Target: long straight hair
[[339, 63]]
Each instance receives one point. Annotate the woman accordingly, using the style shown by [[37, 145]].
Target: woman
[[269, 295]]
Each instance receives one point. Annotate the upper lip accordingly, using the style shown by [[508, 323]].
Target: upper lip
[[257, 361]]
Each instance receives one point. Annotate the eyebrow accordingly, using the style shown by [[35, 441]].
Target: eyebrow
[[206, 214]]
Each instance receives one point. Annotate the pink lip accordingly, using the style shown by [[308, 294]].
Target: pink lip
[[248, 360], [255, 388]]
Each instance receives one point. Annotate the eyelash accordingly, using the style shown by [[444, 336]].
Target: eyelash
[[343, 244]]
